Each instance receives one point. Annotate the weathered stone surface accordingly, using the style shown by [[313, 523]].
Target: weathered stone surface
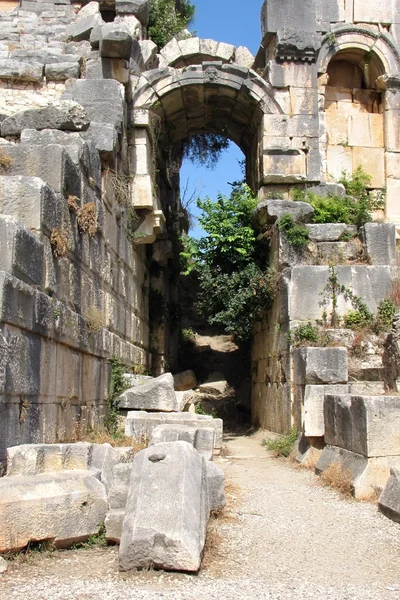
[[389, 501], [269, 211], [113, 524], [61, 507], [339, 252], [202, 439], [216, 385], [135, 380], [172, 538], [138, 8], [320, 365], [82, 28], [380, 243], [105, 139], [116, 41], [314, 425], [140, 424], [365, 425], [62, 71], [185, 381], [328, 189], [118, 492], [21, 252], [216, 486], [71, 141], [329, 232], [66, 115], [16, 70], [157, 394]]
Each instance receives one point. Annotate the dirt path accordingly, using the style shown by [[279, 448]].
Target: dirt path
[[287, 538]]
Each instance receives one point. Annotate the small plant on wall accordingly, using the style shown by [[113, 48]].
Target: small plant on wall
[[87, 219], [60, 242]]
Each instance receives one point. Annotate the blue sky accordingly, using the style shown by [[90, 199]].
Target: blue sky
[[237, 23]]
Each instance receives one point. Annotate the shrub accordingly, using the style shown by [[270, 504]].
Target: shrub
[[60, 242], [73, 203], [307, 333], [95, 319], [205, 149], [165, 21], [284, 444], [295, 233], [385, 314], [338, 478], [87, 219]]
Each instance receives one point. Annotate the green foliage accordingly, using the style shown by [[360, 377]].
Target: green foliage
[[385, 314], [118, 385], [199, 410], [354, 208], [296, 233], [165, 21], [235, 287], [188, 335], [283, 445], [306, 333], [205, 149]]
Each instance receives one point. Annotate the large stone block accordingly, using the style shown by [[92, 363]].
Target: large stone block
[[66, 115], [389, 501], [320, 365], [140, 424], [62, 507], [216, 486], [120, 486], [138, 8], [167, 510], [380, 243], [21, 252], [113, 524], [157, 394], [329, 232], [16, 70], [115, 41], [365, 425], [202, 439], [82, 28], [269, 211], [314, 425], [186, 380], [276, 15], [71, 141]]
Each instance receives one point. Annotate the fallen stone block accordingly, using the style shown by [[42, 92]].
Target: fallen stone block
[[314, 424], [216, 385], [389, 501], [167, 510], [364, 475], [380, 243], [120, 486], [320, 365], [113, 524], [16, 70], [64, 508], [329, 232], [71, 141], [269, 211], [62, 71], [21, 252], [216, 487], [328, 189], [138, 8], [82, 28], [185, 381], [365, 425], [135, 380], [116, 41], [105, 139], [202, 439], [157, 394], [140, 424], [67, 115]]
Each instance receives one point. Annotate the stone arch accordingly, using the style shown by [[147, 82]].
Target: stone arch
[[194, 51]]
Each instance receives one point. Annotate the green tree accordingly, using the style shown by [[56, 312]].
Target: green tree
[[165, 21], [235, 286]]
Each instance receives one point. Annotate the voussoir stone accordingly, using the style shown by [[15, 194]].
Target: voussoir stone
[[66, 115], [157, 394], [269, 211], [167, 509]]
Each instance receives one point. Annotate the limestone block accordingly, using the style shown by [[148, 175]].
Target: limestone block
[[303, 101], [113, 524], [66, 115], [339, 252], [62, 71], [366, 425], [380, 243], [389, 501], [337, 128], [216, 385], [105, 139], [329, 232], [202, 439], [72, 142], [320, 365], [216, 487], [16, 70], [134, 25], [118, 492], [82, 28], [92, 8], [339, 159], [284, 166], [392, 129], [186, 380], [21, 252], [269, 211], [34, 459], [291, 74], [393, 164], [377, 11], [135, 380], [137, 8], [372, 160], [275, 15], [392, 199], [116, 41], [140, 424], [366, 475], [165, 524], [332, 11], [63, 507], [314, 425], [157, 394], [244, 58], [144, 53]]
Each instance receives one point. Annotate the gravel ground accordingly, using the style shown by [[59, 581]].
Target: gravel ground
[[285, 537]]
